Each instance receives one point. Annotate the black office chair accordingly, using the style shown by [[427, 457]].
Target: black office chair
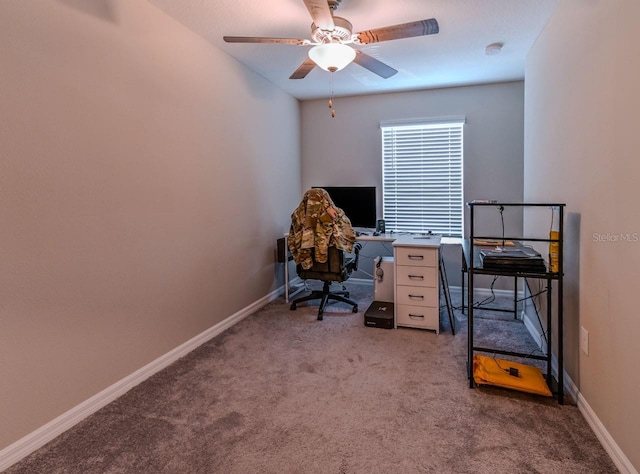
[[337, 268]]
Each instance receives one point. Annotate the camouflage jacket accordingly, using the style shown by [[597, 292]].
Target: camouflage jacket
[[316, 225]]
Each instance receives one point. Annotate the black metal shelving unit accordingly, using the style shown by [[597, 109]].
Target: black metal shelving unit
[[473, 264]]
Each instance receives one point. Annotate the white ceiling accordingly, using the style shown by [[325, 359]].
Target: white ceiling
[[454, 56]]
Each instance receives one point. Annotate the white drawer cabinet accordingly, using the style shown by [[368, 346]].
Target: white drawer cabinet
[[417, 301]]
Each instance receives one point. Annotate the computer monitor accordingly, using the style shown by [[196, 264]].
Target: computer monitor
[[357, 202]]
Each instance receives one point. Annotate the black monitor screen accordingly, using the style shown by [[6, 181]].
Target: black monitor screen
[[357, 202]]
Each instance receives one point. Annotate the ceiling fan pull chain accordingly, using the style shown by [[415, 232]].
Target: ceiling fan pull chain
[[333, 112]]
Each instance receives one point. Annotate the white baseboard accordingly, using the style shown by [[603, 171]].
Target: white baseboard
[[535, 333], [608, 443], [606, 440], [38, 438], [361, 281]]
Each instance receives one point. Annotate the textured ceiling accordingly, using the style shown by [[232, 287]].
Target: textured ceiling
[[454, 56]]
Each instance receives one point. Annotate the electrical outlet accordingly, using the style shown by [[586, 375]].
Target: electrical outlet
[[584, 340]]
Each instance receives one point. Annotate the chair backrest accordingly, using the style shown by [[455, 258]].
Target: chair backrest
[[316, 226], [336, 268]]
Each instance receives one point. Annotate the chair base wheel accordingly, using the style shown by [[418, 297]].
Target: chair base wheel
[[325, 296]]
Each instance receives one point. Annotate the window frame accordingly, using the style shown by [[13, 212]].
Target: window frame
[[422, 175]]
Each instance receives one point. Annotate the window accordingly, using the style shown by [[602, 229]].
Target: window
[[422, 176]]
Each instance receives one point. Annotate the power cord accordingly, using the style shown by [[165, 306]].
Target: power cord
[[513, 371], [488, 299]]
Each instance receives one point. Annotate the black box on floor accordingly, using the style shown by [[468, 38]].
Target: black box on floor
[[379, 315]]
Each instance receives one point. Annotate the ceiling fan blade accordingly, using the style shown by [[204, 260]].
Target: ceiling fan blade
[[258, 39], [373, 65], [304, 69], [405, 30], [321, 14]]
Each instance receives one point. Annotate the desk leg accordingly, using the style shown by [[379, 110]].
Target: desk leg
[[470, 326], [515, 297], [288, 294], [559, 297], [463, 270], [445, 290], [549, 335], [286, 279]]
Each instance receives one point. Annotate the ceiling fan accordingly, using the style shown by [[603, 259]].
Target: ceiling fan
[[332, 35]]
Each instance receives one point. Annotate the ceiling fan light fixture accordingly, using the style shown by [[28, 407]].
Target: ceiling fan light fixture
[[332, 56]]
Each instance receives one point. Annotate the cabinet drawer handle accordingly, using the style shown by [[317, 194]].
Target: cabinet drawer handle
[[416, 277], [416, 257], [416, 316], [416, 297]]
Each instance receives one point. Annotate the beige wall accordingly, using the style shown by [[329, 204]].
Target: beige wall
[[347, 149], [144, 178], [581, 147]]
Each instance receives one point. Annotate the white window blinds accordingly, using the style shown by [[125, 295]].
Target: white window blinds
[[422, 176]]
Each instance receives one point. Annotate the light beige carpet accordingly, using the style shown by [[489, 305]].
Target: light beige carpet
[[281, 392]]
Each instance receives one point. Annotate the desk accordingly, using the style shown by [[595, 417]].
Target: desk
[[427, 300], [388, 237]]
